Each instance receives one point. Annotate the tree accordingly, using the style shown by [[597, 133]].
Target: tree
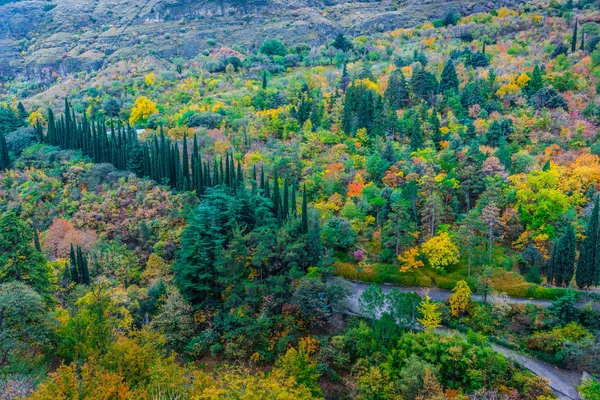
[[338, 233], [589, 259], [19, 260], [24, 324], [590, 388], [561, 265], [449, 79], [490, 216], [467, 234], [440, 251], [4, 156], [142, 110], [273, 47], [300, 365], [484, 283], [371, 302], [460, 299], [201, 245], [431, 317], [342, 43], [574, 38]]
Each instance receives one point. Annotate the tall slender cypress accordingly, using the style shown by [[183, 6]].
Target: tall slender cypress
[[304, 211], [277, 212], [285, 209], [587, 267], [73, 265], [294, 210], [574, 38]]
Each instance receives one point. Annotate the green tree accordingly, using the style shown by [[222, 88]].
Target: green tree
[[371, 302], [24, 323], [19, 260], [574, 38], [561, 265], [449, 79], [587, 266], [201, 245]]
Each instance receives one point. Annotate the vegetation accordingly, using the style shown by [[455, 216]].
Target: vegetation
[[189, 230]]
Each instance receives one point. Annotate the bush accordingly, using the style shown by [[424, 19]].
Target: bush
[[273, 48], [208, 120], [20, 139]]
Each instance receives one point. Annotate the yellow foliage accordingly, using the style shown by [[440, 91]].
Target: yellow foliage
[[429, 41], [432, 317], [440, 251], [506, 12], [150, 79], [460, 299], [407, 72], [142, 109], [523, 79], [36, 116], [409, 260]]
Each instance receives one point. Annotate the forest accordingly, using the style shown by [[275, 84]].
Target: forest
[[389, 216]]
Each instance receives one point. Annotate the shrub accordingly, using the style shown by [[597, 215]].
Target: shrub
[[20, 139], [207, 120]]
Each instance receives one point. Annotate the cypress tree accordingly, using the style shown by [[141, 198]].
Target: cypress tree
[[240, 174], [79, 256], [551, 266], [304, 212], [86, 271], [587, 266], [4, 157], [262, 179], [36, 239], [565, 257], [73, 265], [574, 38], [185, 162], [536, 83], [315, 243], [582, 45], [449, 79], [293, 202], [265, 81], [277, 212], [286, 200]]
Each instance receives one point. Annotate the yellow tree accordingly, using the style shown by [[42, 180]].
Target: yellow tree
[[431, 316], [409, 260], [460, 299], [142, 109], [440, 251]]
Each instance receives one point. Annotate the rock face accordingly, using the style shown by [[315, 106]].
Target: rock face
[[40, 40]]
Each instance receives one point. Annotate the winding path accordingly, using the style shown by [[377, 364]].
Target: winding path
[[563, 383]]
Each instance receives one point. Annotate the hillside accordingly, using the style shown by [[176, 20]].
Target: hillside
[[45, 39], [318, 201]]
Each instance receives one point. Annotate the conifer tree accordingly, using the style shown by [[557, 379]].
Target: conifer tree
[[4, 157], [277, 211], [574, 38], [73, 265], [582, 45], [587, 267], [449, 79], [304, 212], [562, 262], [286, 200], [265, 81]]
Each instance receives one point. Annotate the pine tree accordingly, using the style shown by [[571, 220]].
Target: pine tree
[[23, 114], [201, 247], [536, 83], [449, 79], [587, 266], [574, 38]]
